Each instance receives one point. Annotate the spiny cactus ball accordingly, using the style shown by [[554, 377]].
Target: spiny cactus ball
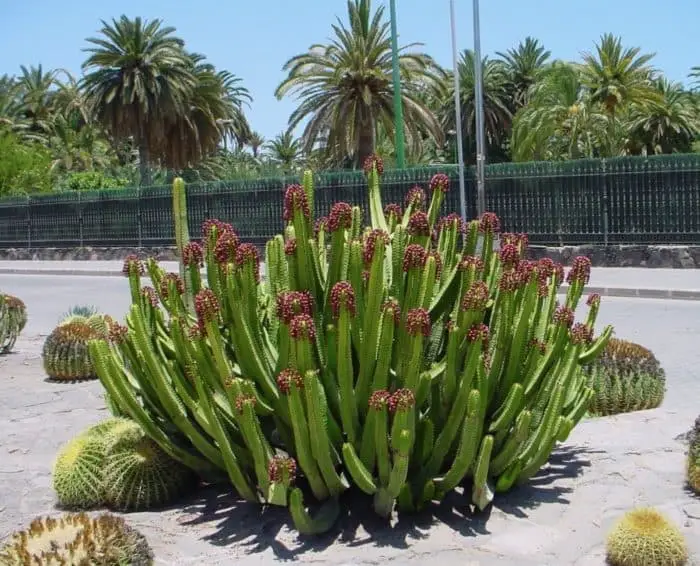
[[13, 319], [65, 353], [79, 466], [626, 377], [105, 540], [138, 475], [644, 537]]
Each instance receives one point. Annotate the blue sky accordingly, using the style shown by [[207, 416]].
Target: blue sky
[[254, 38]]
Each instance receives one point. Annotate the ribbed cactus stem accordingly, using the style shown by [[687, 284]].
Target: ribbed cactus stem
[[467, 447], [318, 418], [182, 234], [348, 404], [471, 238], [376, 209], [308, 184], [386, 495], [513, 444], [324, 519], [381, 444], [255, 441], [482, 494], [386, 340]]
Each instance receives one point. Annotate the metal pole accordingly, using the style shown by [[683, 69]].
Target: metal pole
[[479, 103], [458, 116], [396, 76]]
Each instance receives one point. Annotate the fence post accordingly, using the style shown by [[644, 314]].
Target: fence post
[[606, 203], [29, 222], [80, 219], [139, 244]]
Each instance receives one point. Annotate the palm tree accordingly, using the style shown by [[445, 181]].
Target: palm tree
[[256, 141], [345, 87], [497, 114], [524, 66], [669, 125], [616, 76], [559, 121], [285, 150], [137, 79], [36, 89]]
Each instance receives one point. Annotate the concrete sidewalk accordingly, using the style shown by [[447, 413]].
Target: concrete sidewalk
[[650, 283]]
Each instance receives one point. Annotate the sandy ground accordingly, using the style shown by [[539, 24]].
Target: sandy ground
[[560, 518]]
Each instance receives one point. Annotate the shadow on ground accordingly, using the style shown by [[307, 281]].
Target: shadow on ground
[[257, 528]]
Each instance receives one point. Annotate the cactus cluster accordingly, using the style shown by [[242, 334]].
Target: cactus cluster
[[644, 537], [105, 540], [405, 358], [693, 462], [114, 464], [626, 377], [13, 319], [65, 353]]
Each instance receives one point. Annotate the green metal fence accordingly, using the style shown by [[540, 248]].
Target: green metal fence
[[624, 200]]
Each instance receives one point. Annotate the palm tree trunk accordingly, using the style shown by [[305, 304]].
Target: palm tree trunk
[[365, 144]]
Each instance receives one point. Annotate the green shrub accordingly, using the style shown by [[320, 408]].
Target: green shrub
[[396, 358], [13, 319], [105, 540], [693, 462], [625, 377]]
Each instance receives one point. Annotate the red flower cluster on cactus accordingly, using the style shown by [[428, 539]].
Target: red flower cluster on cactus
[[196, 331], [418, 224], [193, 255], [116, 333], [374, 237], [402, 400], [132, 266], [340, 217], [509, 256], [206, 305], [479, 332], [509, 281], [290, 247], [416, 197], [214, 227], [225, 247], [244, 400], [518, 240], [165, 282], [593, 300], [489, 223], [287, 377], [342, 297], [392, 308], [282, 469], [292, 303], [295, 200], [379, 400], [539, 345], [149, 293], [545, 268], [414, 257], [580, 334], [439, 182], [393, 208], [418, 322], [372, 161], [321, 225], [471, 261], [563, 316], [476, 297], [526, 268], [580, 271], [248, 254], [446, 222], [302, 327]]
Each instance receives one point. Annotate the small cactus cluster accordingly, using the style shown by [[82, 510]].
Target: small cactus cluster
[[693, 462], [644, 537], [65, 353], [13, 319], [114, 464], [407, 358], [76, 538], [626, 377]]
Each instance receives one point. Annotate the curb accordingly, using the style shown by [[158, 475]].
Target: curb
[[610, 291]]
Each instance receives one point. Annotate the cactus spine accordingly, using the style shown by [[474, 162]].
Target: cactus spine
[[368, 352]]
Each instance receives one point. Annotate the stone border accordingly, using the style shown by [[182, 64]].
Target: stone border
[[678, 257]]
